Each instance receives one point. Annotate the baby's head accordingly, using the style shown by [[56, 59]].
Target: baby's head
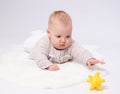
[[60, 29]]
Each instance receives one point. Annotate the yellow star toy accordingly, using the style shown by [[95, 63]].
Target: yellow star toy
[[96, 81]]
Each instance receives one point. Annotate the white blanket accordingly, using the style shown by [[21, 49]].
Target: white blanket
[[15, 66]]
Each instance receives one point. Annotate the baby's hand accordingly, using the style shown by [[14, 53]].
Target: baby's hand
[[53, 67], [93, 61]]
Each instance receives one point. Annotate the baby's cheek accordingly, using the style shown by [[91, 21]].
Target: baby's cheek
[[69, 42], [56, 42]]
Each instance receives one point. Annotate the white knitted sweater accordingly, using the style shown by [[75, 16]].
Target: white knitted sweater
[[45, 54]]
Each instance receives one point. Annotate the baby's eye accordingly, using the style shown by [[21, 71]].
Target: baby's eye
[[68, 36], [58, 36]]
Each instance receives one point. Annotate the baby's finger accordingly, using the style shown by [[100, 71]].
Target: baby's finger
[[98, 61], [89, 64], [102, 62]]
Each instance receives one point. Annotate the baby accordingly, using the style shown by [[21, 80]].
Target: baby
[[58, 47]]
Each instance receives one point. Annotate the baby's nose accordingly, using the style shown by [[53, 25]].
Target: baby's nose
[[63, 40]]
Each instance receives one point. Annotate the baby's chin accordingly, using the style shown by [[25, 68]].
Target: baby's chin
[[61, 48]]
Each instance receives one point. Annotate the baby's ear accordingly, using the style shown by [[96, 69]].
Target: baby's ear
[[48, 32]]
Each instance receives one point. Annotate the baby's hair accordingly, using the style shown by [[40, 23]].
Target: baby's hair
[[61, 16]]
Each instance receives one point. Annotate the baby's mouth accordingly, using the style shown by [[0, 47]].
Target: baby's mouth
[[62, 44]]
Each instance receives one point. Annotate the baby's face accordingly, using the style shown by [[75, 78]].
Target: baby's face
[[60, 36]]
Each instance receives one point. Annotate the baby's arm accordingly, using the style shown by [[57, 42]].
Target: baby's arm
[[40, 53], [93, 61], [80, 54], [83, 55]]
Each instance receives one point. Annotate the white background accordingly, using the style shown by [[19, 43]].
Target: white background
[[94, 22]]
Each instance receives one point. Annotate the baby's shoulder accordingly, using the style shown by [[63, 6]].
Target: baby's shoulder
[[75, 45], [43, 41], [44, 38]]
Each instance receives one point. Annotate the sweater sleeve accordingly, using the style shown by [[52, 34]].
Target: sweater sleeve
[[40, 53], [80, 54]]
